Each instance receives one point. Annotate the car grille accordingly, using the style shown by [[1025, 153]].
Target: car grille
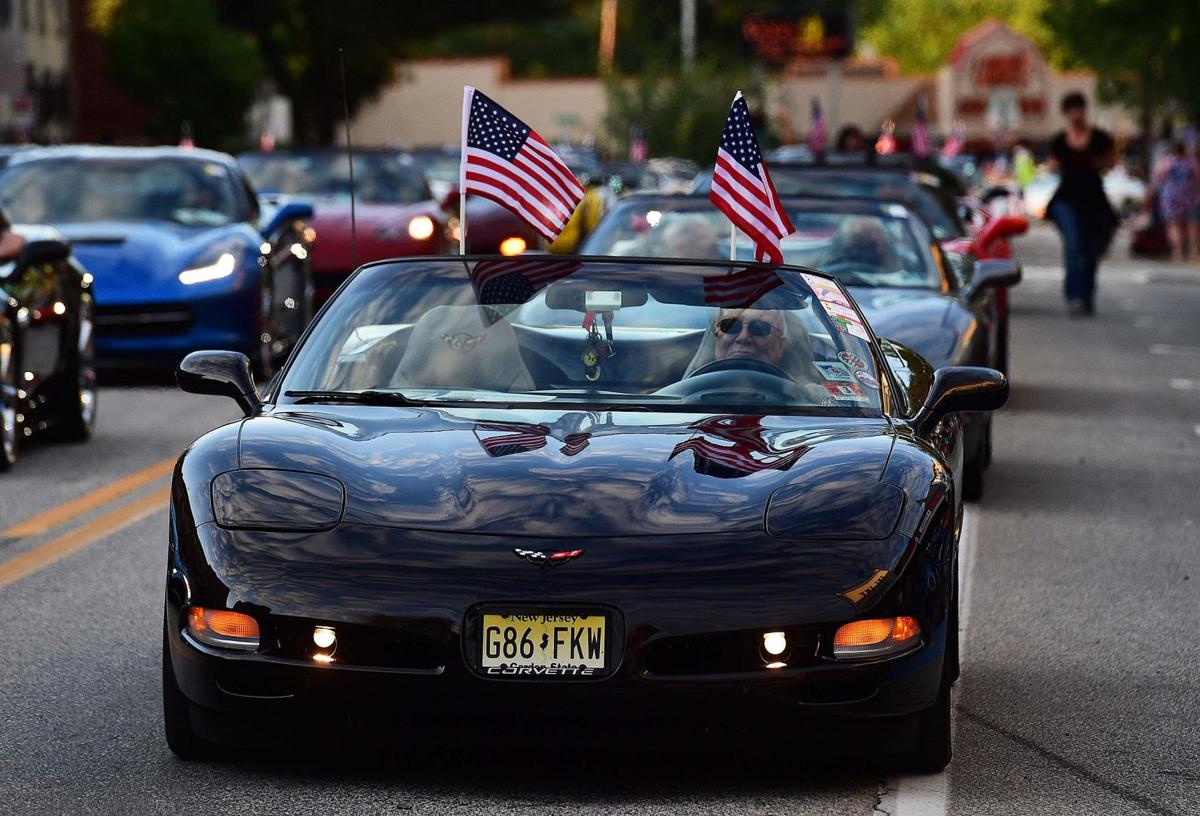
[[143, 319]]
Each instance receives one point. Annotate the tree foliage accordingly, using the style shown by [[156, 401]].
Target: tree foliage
[[176, 56], [300, 41], [677, 115], [920, 34]]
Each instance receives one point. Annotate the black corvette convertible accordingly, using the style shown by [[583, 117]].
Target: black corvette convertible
[[47, 343], [594, 487]]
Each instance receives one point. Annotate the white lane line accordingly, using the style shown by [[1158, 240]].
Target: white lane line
[[1183, 384], [929, 794], [1167, 350]]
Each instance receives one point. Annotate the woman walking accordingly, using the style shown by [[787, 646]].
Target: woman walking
[[1079, 206], [1176, 183]]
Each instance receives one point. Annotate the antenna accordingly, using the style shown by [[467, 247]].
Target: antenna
[[350, 156]]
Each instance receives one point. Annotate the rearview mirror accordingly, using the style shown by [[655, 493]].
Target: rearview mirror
[[291, 211], [223, 373], [961, 388], [992, 274]]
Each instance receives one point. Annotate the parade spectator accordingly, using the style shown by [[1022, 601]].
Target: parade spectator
[[1080, 208], [1175, 184]]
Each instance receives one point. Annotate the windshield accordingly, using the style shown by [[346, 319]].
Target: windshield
[[57, 191], [882, 245], [379, 178], [439, 165], [934, 205], [593, 334]]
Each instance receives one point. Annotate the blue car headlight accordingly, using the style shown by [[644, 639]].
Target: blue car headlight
[[215, 264], [286, 500]]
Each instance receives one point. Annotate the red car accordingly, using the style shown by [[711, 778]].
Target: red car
[[396, 213], [491, 229]]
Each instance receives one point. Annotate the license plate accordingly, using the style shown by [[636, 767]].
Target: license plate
[[541, 644]]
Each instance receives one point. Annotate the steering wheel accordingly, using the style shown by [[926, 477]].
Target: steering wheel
[[739, 380], [740, 364], [851, 272]]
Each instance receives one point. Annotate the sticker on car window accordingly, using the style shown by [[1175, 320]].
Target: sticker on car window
[[837, 372]]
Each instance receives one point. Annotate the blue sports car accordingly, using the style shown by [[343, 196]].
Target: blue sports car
[[174, 240]]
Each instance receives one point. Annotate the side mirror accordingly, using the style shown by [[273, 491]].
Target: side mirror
[[40, 252], [291, 211], [1001, 227], [224, 373], [992, 274], [961, 388]]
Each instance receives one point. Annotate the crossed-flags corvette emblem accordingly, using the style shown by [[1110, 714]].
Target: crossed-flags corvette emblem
[[543, 557]]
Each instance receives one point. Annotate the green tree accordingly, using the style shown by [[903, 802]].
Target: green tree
[[677, 115], [920, 34], [176, 57], [300, 39]]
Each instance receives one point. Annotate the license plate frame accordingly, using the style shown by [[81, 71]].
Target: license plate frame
[[534, 668]]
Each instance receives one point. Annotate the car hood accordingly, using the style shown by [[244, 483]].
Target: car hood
[[918, 319], [141, 262], [565, 474]]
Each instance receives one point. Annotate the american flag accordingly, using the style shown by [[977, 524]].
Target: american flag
[[505, 160], [574, 443], [920, 137], [517, 280], [742, 187], [816, 133], [740, 289], [737, 459], [518, 438]]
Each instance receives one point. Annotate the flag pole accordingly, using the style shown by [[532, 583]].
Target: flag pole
[[468, 92], [732, 241]]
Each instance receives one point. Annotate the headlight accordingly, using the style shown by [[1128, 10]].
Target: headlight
[[512, 246], [283, 500], [222, 267], [421, 228]]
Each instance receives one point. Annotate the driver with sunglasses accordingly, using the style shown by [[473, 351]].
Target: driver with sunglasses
[[760, 334]]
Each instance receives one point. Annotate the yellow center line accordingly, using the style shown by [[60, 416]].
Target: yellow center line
[[68, 511], [17, 568]]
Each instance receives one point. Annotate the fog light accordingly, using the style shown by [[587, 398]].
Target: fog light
[[223, 628], [876, 637], [512, 246], [775, 643], [324, 637]]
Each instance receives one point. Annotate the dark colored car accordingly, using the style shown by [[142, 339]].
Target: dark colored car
[[47, 343], [880, 251], [601, 488], [395, 211], [174, 240], [967, 230]]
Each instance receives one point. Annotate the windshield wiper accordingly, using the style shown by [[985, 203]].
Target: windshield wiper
[[361, 397]]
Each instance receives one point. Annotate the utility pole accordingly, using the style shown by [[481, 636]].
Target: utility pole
[[608, 35], [687, 34]]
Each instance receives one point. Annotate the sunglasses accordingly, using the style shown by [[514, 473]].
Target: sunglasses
[[735, 325]]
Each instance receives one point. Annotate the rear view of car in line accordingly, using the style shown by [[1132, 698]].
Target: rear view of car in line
[[602, 490], [47, 342], [172, 239]]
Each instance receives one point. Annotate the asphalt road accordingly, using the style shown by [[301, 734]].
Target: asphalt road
[[1078, 692]]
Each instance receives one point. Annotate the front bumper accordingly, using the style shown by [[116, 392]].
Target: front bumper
[[448, 689], [130, 331]]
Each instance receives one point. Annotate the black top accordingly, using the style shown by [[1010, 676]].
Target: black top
[[1079, 171]]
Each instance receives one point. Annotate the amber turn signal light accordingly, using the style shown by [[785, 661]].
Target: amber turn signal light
[[512, 246], [223, 628], [876, 637]]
